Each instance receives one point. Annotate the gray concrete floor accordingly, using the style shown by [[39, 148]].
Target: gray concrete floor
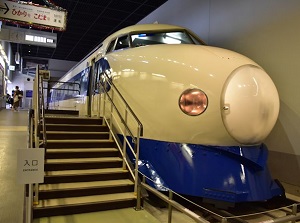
[[13, 136]]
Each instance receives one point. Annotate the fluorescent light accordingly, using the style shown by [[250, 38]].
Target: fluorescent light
[[38, 39], [29, 37]]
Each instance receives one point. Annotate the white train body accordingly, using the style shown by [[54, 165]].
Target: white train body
[[239, 101], [159, 87]]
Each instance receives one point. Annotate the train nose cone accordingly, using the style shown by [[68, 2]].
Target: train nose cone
[[249, 104]]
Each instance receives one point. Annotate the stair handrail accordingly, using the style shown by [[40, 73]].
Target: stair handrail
[[42, 105], [39, 119], [28, 195], [123, 120], [109, 81], [39, 108]]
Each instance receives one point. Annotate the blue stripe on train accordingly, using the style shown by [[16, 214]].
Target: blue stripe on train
[[232, 174]]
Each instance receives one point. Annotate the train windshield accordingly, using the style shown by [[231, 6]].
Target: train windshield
[[171, 37]]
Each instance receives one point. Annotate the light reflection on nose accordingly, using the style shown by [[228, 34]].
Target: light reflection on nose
[[188, 154], [242, 174]]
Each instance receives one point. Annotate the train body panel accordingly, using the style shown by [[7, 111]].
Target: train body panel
[[231, 174], [205, 111], [159, 89]]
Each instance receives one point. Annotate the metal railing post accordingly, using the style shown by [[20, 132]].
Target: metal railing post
[[36, 196], [144, 179], [137, 159], [99, 104], [124, 140], [111, 115], [138, 199], [170, 209], [27, 187], [224, 220], [294, 211], [29, 204], [104, 103]]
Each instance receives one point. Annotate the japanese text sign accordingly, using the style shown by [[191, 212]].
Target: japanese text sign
[[30, 166], [33, 14]]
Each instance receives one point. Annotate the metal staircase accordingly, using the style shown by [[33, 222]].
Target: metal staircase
[[83, 169]]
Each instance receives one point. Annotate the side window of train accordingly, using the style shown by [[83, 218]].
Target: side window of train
[[104, 76], [122, 42], [84, 81], [97, 75], [111, 46]]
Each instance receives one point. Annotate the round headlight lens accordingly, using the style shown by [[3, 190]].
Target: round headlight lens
[[193, 102]]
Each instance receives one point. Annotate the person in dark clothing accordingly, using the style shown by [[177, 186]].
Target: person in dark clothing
[[9, 100], [17, 97]]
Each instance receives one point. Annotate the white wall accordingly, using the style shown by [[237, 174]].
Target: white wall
[[193, 14], [268, 32], [58, 68]]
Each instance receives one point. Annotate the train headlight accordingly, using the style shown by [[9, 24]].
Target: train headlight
[[193, 102]]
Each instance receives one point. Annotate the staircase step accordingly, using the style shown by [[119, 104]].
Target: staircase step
[[80, 143], [83, 160], [52, 150], [83, 169], [76, 127], [84, 163], [62, 186], [75, 135], [88, 175], [61, 112], [73, 120], [76, 205], [87, 171], [63, 190], [81, 153]]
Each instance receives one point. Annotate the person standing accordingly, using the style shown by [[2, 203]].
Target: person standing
[[17, 96], [9, 100]]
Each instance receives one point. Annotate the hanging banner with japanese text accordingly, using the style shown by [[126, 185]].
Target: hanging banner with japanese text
[[33, 14], [30, 166]]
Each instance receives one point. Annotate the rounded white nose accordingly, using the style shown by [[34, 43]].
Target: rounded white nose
[[249, 104]]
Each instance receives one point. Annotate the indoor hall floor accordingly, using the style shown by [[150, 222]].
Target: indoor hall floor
[[127, 215], [13, 136]]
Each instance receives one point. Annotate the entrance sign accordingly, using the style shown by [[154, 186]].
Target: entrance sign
[[33, 14], [30, 166]]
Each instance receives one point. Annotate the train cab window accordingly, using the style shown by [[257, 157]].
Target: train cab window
[[122, 43], [197, 41], [111, 46], [171, 37]]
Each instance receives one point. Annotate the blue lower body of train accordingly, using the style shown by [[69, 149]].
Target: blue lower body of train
[[225, 173]]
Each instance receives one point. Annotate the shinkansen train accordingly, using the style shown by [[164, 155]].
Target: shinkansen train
[[205, 110]]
